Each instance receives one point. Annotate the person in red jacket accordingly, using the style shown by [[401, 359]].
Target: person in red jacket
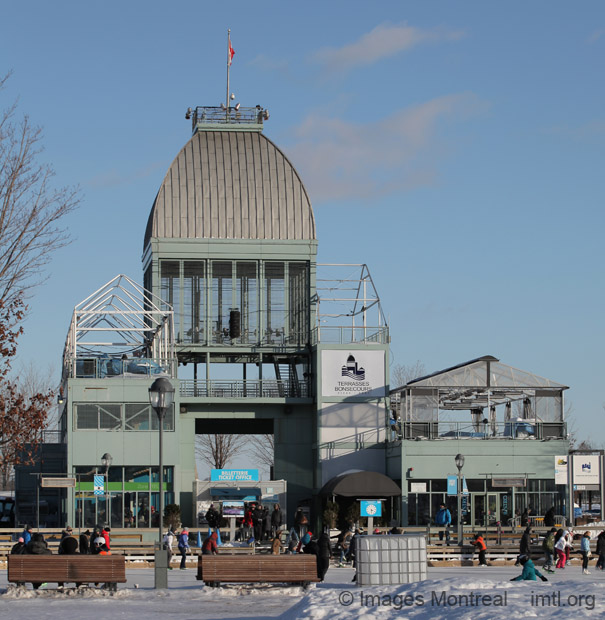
[[481, 547], [209, 547]]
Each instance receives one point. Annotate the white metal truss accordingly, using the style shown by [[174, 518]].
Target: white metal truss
[[120, 318], [347, 291]]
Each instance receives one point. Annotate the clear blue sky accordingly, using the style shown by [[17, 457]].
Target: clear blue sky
[[457, 148]]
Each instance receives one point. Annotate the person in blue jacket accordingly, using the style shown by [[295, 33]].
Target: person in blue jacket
[[183, 542], [27, 534], [529, 570], [444, 519]]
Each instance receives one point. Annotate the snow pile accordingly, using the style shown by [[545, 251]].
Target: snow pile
[[455, 598]]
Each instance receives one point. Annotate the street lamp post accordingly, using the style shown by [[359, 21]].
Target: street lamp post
[[161, 396], [106, 461], [459, 459]]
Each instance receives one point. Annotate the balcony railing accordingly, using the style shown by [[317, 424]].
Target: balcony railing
[[269, 388], [101, 367], [347, 335], [527, 429]]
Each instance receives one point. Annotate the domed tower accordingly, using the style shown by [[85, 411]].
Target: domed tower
[[230, 245]]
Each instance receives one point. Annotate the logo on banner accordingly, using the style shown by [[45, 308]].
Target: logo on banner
[[99, 485], [352, 370], [586, 467]]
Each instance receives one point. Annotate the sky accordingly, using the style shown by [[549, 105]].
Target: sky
[[455, 148]]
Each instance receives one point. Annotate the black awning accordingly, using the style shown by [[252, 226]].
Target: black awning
[[366, 484]]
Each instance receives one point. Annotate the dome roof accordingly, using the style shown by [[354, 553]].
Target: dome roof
[[231, 185]]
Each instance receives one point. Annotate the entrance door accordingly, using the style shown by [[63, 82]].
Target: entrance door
[[493, 508]]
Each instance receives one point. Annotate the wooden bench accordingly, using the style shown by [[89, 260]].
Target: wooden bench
[[298, 568], [108, 569]]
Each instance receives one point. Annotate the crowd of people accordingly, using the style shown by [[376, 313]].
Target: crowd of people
[[97, 542]]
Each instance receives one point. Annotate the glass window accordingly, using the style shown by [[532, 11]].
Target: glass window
[[439, 485], [110, 417], [424, 509], [170, 292], [275, 303], [194, 301], [476, 485], [222, 300], [246, 301], [412, 513], [298, 303], [87, 417], [137, 417], [168, 420]]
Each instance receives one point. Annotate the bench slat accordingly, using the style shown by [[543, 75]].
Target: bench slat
[[66, 568], [257, 569]]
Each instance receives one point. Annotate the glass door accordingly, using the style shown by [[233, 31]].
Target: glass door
[[493, 508]]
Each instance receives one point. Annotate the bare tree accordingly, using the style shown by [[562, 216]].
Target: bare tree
[[28, 384], [219, 450], [401, 374], [262, 449], [31, 209], [23, 412]]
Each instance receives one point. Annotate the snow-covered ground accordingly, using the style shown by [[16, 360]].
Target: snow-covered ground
[[453, 593]]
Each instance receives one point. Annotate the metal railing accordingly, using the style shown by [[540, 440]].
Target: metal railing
[[267, 388], [233, 115], [101, 367], [347, 335], [466, 430]]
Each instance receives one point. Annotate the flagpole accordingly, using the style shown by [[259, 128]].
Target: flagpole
[[228, 66]]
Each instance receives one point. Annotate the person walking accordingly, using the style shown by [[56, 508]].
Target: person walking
[[586, 553], [601, 550], [168, 542], [548, 546], [323, 556], [524, 544], [481, 547], [443, 519], [184, 547]]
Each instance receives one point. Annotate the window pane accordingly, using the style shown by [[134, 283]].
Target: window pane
[[170, 292], [275, 303], [194, 301], [222, 301], [298, 303], [110, 417], [87, 417], [137, 417], [246, 301]]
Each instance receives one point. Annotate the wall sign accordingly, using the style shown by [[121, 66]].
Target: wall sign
[[561, 469], [586, 469], [234, 475], [353, 373]]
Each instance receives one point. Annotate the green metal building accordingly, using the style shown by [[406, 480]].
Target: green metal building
[[232, 311]]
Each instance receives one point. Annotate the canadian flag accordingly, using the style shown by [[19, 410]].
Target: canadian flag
[[231, 52]]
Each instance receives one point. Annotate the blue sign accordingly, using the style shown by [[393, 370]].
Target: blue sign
[[370, 508], [234, 475], [452, 485], [99, 485]]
